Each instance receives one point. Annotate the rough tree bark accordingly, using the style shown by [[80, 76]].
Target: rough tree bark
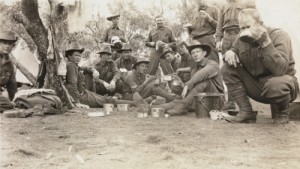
[[33, 24]]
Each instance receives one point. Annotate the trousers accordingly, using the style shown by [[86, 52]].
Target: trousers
[[268, 90]]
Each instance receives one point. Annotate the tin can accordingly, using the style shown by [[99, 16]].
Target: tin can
[[108, 108], [158, 112]]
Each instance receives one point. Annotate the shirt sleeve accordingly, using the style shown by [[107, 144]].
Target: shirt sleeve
[[209, 71], [219, 31], [130, 81], [72, 79], [116, 72], [276, 55], [213, 20], [12, 84]]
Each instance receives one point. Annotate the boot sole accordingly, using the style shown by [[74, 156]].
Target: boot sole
[[244, 121]]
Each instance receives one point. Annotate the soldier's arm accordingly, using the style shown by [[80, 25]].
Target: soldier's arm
[[276, 55], [219, 32], [149, 42], [115, 71], [72, 79], [11, 85], [209, 71]]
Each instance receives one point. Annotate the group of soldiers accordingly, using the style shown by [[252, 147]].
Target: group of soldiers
[[258, 63]]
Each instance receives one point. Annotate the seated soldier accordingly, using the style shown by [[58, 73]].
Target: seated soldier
[[138, 82], [206, 78], [106, 74], [126, 60], [75, 82], [7, 73]]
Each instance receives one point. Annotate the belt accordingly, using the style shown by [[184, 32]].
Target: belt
[[201, 36]]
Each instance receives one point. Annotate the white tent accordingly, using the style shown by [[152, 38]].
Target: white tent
[[24, 56]]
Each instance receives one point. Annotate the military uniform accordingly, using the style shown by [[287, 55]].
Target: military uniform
[[165, 35], [113, 31], [203, 30], [228, 26], [8, 81], [267, 74], [7, 71]]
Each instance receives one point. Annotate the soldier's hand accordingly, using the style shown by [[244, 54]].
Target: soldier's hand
[[261, 35], [150, 78], [219, 46], [231, 58], [112, 85], [106, 85], [96, 74]]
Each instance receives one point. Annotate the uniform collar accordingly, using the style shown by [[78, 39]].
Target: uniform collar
[[162, 27], [138, 74], [202, 63], [115, 27]]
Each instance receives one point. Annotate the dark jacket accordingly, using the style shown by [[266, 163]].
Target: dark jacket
[[8, 76]]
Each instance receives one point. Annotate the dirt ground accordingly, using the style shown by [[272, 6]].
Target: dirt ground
[[121, 140]]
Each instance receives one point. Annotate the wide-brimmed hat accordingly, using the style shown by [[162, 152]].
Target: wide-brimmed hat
[[74, 47], [139, 61], [106, 49], [8, 35], [125, 47], [165, 51], [196, 44], [113, 16]]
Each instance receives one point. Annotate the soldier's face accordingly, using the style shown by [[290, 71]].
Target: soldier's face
[[105, 57], [170, 57], [75, 57], [126, 54], [198, 54], [115, 21], [142, 68], [159, 21], [6, 46]]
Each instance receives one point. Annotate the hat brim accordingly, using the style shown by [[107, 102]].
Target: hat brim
[[138, 63], [163, 56], [111, 17], [121, 50], [11, 40], [77, 50], [104, 53], [204, 47]]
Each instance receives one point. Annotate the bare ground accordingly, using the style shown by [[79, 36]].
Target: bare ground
[[121, 140]]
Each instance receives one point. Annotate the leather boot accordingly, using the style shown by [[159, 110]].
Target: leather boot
[[243, 117], [179, 109], [230, 105], [281, 114]]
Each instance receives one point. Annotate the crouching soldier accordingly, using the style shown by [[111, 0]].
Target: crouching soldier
[[138, 82], [106, 74], [206, 78], [260, 65], [7, 73]]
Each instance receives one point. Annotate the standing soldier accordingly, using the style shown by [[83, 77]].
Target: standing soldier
[[227, 31], [157, 35], [114, 30], [204, 26], [7, 73]]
